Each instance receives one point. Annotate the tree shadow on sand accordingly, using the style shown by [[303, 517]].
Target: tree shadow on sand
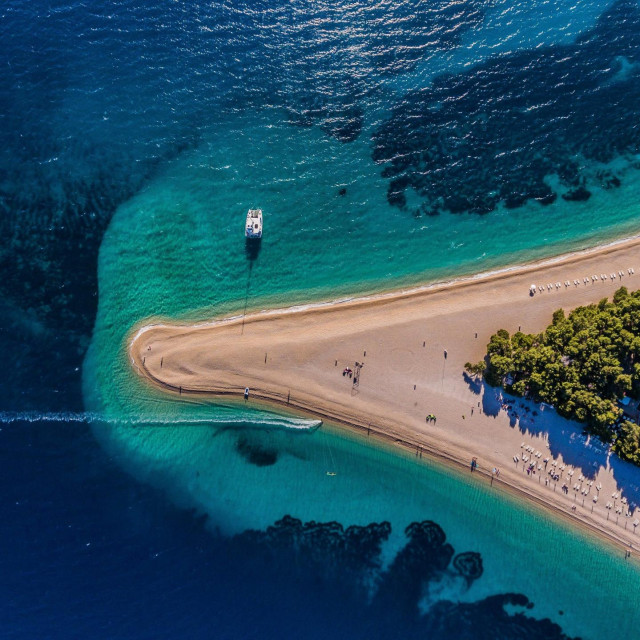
[[566, 438], [474, 384]]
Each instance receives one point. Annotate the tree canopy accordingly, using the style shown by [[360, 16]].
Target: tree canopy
[[582, 364]]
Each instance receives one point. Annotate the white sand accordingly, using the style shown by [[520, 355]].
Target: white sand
[[407, 376]]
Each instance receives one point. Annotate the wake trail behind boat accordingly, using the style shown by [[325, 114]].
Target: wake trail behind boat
[[11, 417]]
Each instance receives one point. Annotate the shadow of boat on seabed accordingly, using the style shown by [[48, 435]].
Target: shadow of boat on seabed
[[252, 247]]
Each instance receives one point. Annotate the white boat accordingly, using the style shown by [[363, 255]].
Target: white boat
[[253, 228]]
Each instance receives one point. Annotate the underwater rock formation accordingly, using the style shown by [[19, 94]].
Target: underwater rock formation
[[348, 562], [345, 49], [492, 134], [255, 453]]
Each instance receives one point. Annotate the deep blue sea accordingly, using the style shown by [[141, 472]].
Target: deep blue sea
[[388, 143]]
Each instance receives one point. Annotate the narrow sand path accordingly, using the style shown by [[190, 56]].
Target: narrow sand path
[[412, 348]]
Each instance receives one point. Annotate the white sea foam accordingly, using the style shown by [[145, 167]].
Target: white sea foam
[[265, 421]]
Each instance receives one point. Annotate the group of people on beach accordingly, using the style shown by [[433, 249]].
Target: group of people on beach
[[431, 418], [350, 373]]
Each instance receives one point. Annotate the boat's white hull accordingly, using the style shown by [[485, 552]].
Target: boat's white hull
[[253, 226]]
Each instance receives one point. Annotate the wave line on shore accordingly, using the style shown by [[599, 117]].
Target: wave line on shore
[[512, 269]]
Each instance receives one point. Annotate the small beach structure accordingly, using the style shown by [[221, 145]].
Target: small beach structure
[[253, 226]]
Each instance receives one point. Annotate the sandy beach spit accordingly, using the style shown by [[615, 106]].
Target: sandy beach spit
[[383, 364]]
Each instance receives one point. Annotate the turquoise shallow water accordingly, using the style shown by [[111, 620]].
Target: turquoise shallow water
[[143, 131], [176, 251], [183, 229]]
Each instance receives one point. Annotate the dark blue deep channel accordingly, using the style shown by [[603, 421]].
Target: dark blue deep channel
[[95, 100]]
